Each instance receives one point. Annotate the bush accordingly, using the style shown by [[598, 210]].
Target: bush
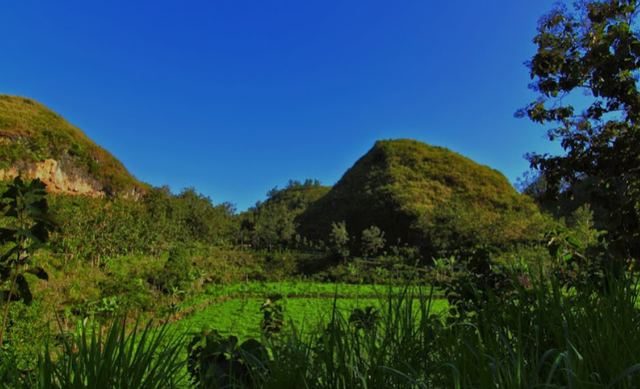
[[339, 241], [372, 241], [178, 271]]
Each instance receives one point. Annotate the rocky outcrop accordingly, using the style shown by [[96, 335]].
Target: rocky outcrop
[[37, 142], [59, 176]]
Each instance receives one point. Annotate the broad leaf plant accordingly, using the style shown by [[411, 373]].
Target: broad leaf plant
[[25, 228]]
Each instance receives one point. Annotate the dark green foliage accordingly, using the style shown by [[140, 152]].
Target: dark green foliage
[[537, 335], [424, 196], [364, 320], [372, 241], [272, 223], [127, 285], [543, 337], [188, 217], [480, 281], [200, 221], [578, 262], [272, 316], [581, 261], [30, 132], [26, 331], [218, 362], [593, 51]]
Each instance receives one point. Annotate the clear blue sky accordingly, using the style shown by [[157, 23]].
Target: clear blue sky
[[234, 97]]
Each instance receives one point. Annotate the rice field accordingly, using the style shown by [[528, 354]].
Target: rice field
[[235, 309]]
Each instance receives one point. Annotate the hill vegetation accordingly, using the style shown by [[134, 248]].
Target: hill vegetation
[[408, 192], [273, 221], [425, 196], [31, 133]]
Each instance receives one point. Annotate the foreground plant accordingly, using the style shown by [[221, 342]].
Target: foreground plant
[[127, 358], [25, 229]]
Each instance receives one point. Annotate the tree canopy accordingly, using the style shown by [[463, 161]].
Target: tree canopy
[[586, 75], [272, 222]]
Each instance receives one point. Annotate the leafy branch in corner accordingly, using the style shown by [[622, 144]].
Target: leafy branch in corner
[[26, 224]]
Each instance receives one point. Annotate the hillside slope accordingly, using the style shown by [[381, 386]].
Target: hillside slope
[[426, 196], [37, 142]]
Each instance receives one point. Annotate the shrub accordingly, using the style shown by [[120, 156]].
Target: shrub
[[178, 271], [372, 241], [339, 240]]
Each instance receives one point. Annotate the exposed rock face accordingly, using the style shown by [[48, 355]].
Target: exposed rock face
[[59, 176], [36, 142]]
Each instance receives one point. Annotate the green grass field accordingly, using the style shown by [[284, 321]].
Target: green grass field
[[297, 289], [544, 338], [235, 309]]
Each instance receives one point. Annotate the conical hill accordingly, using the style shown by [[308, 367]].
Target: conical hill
[[424, 196]]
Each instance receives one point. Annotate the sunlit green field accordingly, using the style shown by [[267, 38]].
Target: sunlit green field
[[302, 289], [235, 309]]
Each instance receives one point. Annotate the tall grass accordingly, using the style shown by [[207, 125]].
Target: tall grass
[[545, 337], [370, 351], [540, 336], [121, 357]]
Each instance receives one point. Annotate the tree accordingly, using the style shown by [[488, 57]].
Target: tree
[[272, 222], [594, 50], [532, 183], [372, 241], [339, 240], [178, 270]]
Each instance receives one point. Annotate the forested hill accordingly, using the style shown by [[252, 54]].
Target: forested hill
[[423, 195], [38, 142], [273, 221]]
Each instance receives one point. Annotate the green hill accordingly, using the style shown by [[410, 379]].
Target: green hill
[[32, 135], [425, 196], [272, 221]]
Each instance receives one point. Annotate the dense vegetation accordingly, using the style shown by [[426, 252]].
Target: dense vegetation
[[272, 222], [92, 229], [580, 340], [419, 269], [593, 52]]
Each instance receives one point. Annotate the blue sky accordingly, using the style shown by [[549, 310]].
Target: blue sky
[[234, 97]]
